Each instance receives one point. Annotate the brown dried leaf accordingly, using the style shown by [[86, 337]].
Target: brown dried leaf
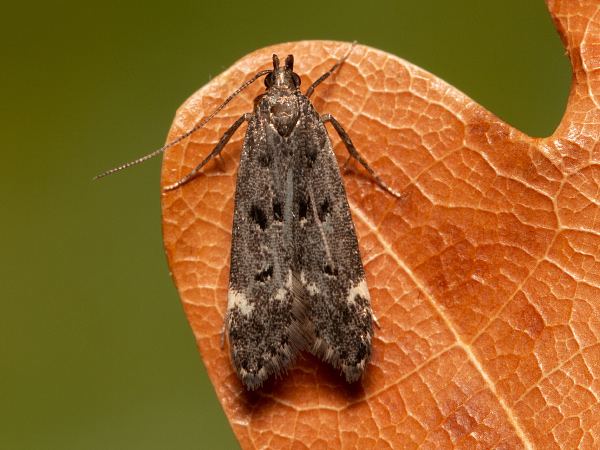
[[485, 280]]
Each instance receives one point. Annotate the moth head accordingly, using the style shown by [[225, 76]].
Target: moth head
[[283, 76]]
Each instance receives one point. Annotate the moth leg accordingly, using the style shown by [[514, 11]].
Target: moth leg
[[224, 330], [354, 154], [216, 151], [374, 320]]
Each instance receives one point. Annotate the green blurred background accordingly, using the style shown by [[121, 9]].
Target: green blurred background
[[95, 350]]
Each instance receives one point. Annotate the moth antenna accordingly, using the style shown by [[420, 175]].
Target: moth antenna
[[189, 133], [323, 77]]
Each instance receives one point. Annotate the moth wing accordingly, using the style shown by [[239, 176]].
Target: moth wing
[[328, 261], [265, 320]]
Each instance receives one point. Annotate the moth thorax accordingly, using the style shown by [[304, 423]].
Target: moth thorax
[[284, 114]]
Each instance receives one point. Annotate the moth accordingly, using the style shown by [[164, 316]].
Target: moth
[[296, 277]]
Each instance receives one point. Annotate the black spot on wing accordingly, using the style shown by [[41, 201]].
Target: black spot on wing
[[277, 214], [265, 159], [303, 206], [324, 210], [258, 215], [329, 270], [264, 275]]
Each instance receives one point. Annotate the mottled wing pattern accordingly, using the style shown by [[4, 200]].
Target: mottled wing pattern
[[296, 280], [265, 320], [326, 256]]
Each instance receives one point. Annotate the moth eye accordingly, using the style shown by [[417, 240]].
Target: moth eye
[[264, 275], [258, 215], [277, 211], [324, 210], [296, 79], [269, 80], [328, 270]]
